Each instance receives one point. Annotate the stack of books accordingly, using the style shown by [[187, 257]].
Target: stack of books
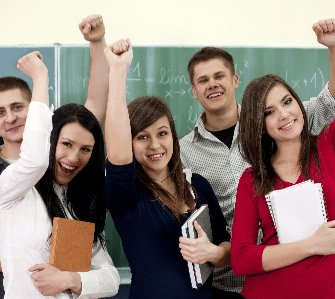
[[198, 273]]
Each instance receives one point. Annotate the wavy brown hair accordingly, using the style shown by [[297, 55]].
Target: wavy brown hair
[[257, 147], [143, 112]]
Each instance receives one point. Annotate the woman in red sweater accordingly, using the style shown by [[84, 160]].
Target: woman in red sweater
[[275, 141]]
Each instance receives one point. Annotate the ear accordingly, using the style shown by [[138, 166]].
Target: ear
[[194, 91], [236, 81]]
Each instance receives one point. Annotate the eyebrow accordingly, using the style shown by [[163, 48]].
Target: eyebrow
[[161, 127], [68, 139], [205, 76], [282, 100]]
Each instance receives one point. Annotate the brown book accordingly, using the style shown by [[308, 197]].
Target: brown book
[[71, 244]]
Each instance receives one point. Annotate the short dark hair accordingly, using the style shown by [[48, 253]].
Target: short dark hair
[[209, 53], [9, 83], [85, 199]]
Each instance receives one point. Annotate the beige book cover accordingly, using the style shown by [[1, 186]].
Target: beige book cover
[[71, 244]]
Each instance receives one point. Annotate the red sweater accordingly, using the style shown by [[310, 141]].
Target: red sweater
[[313, 277]]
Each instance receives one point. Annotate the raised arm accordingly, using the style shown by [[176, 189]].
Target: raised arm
[[118, 133], [93, 30], [325, 32], [32, 65], [17, 179]]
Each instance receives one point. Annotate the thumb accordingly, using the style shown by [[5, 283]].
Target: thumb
[[37, 267], [199, 229]]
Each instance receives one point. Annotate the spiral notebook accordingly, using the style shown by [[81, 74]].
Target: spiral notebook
[[297, 211]]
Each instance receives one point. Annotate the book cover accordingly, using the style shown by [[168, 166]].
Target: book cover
[[297, 211], [71, 244], [203, 271]]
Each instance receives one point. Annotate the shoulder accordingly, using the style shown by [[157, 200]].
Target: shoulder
[[247, 178], [187, 139], [199, 181]]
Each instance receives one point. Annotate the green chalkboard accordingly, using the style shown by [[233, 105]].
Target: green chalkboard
[[9, 55], [162, 71]]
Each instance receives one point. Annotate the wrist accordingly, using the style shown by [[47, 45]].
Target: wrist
[[215, 252], [74, 282], [41, 78], [100, 42]]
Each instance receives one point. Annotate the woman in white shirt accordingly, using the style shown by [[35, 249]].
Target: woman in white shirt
[[70, 187]]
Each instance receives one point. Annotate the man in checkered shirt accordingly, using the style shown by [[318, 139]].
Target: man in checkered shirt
[[211, 148]]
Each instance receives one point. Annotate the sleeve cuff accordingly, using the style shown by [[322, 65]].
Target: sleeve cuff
[[39, 118]]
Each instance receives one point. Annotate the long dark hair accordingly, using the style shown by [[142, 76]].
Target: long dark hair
[[143, 112], [85, 199], [257, 147]]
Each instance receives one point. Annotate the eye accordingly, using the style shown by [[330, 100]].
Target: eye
[[267, 113], [219, 76], [18, 107], [86, 150], [1, 112], [163, 133], [141, 137], [67, 144], [288, 101], [202, 80]]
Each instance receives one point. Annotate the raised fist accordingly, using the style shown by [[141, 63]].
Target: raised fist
[[92, 28]]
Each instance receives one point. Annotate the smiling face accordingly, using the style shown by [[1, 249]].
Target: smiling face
[[13, 115], [283, 118], [153, 148], [73, 151], [214, 85]]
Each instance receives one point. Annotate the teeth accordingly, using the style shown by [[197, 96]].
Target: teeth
[[156, 156], [215, 95], [67, 166], [288, 125]]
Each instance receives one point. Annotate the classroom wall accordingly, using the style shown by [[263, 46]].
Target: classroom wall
[[285, 23]]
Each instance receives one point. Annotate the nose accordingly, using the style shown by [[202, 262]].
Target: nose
[[154, 143], [283, 113], [11, 117], [212, 83], [73, 156]]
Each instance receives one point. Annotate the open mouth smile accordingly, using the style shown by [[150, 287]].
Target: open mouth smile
[[288, 126], [214, 95], [156, 157], [66, 169]]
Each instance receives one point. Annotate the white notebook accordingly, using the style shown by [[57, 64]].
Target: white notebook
[[297, 211]]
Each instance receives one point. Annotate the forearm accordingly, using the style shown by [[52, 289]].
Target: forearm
[[221, 255], [118, 132], [331, 85], [97, 92], [282, 255], [41, 88]]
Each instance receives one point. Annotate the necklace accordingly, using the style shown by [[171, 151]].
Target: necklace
[[164, 179]]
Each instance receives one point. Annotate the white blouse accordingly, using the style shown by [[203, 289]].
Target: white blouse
[[25, 226]]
